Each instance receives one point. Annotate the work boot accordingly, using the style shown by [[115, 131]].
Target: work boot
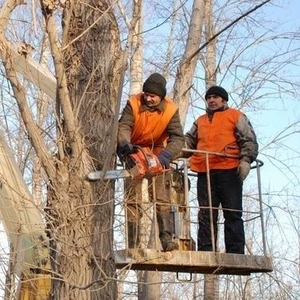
[[167, 242], [133, 234], [165, 226]]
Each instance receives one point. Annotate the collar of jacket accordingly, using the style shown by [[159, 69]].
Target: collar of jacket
[[160, 106], [211, 112]]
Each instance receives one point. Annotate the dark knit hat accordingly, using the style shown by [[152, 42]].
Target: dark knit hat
[[155, 84], [217, 90]]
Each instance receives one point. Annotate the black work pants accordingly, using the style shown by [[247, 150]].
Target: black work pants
[[226, 190]]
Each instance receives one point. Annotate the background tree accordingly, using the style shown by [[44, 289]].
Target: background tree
[[79, 214]]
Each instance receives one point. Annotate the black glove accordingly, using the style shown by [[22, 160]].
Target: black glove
[[164, 158], [124, 149]]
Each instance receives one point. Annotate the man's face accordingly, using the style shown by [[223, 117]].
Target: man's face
[[214, 102], [151, 100]]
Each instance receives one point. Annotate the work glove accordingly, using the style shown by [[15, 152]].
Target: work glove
[[164, 158], [243, 170], [124, 149]]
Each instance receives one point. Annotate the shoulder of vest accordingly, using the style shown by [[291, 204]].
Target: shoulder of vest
[[229, 110], [234, 111], [135, 100], [135, 96]]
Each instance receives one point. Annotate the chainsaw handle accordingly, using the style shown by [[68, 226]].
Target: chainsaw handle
[[137, 147]]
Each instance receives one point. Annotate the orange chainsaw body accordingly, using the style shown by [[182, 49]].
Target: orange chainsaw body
[[143, 163]]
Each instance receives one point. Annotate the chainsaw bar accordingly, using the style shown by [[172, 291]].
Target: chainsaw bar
[[108, 175]]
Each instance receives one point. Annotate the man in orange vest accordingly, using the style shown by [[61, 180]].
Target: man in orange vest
[[228, 131], [151, 120]]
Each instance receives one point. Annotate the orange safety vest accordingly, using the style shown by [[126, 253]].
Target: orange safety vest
[[217, 135], [149, 128]]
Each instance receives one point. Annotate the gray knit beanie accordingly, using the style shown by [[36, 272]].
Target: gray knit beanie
[[155, 84], [217, 90]]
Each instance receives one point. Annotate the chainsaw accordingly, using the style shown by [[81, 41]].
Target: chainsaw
[[141, 163]]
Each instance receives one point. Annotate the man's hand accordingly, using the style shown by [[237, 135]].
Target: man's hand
[[124, 149], [164, 158], [243, 170]]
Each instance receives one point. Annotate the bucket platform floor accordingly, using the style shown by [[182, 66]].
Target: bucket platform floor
[[192, 262]]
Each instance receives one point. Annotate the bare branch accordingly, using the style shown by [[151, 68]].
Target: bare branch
[[63, 97], [32, 130], [227, 27]]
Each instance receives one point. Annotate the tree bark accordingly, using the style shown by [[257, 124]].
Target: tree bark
[[80, 214]]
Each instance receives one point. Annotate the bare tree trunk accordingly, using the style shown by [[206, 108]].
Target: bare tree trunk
[[211, 282], [210, 73], [146, 279], [136, 50], [93, 80], [186, 69], [211, 287], [80, 214], [149, 281], [149, 288]]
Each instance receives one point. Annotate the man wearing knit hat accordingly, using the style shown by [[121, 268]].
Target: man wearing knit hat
[[226, 131], [151, 120]]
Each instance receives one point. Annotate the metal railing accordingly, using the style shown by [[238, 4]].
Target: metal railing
[[257, 166], [181, 231]]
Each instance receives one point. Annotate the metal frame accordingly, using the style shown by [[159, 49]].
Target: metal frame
[[197, 261]]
